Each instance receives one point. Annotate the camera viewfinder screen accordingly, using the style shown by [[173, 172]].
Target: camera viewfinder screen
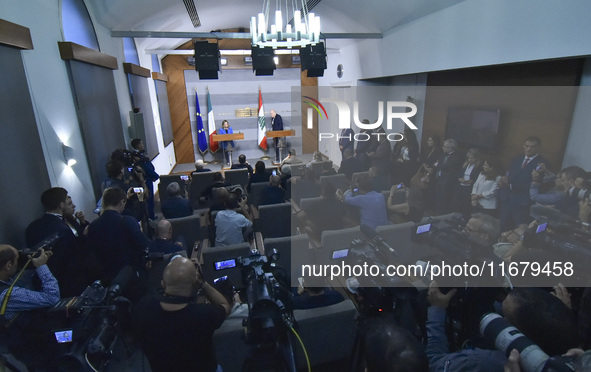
[[228, 264], [185, 177], [423, 228], [341, 253], [541, 227], [63, 336]]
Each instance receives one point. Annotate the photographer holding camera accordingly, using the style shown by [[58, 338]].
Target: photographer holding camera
[[175, 333], [22, 329]]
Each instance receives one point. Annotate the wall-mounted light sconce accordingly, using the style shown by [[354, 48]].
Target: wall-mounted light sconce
[[68, 155]]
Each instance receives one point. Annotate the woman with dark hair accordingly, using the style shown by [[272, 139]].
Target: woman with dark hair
[[259, 174], [432, 151], [470, 171], [484, 190]]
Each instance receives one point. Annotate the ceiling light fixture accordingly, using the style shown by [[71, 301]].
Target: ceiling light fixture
[[304, 31]]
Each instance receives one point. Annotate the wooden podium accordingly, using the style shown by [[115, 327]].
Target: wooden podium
[[279, 134], [227, 137]]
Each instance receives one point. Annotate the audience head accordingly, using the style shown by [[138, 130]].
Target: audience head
[[532, 146], [390, 348], [473, 156], [114, 169], [173, 189], [286, 170], [164, 229], [414, 197], [218, 177], [114, 198], [137, 144], [492, 168], [220, 194], [543, 318], [199, 164], [570, 174], [484, 227], [180, 277], [292, 152], [328, 190], [259, 167], [326, 166], [8, 261], [231, 201], [317, 156], [242, 159], [449, 146], [54, 199], [364, 184], [434, 142], [275, 181]]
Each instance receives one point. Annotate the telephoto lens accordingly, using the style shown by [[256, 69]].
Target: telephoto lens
[[498, 331]]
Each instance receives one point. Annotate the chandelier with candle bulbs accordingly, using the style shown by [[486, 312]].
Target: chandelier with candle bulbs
[[303, 30]]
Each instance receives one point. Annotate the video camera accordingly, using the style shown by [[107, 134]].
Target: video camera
[[91, 323], [505, 337]]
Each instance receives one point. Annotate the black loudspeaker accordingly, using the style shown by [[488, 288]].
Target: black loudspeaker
[[207, 59], [263, 62], [313, 59]]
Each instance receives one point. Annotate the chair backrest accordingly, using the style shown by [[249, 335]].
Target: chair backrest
[[200, 181], [317, 167], [275, 220], [166, 180], [339, 181], [256, 193], [297, 169], [269, 170], [189, 228], [398, 237], [237, 177], [337, 321], [336, 240], [305, 203], [294, 251], [223, 256]]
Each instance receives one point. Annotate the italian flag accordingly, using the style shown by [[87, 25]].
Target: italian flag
[[213, 145], [262, 136]]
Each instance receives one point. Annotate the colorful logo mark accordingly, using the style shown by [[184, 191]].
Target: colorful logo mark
[[317, 106]]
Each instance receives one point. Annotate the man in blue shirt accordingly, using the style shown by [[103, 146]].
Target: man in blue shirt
[[231, 227], [371, 204]]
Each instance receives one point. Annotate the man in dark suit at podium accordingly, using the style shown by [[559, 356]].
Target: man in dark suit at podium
[[513, 194], [276, 124]]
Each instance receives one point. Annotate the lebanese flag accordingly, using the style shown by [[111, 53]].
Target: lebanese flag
[[262, 135], [213, 145]]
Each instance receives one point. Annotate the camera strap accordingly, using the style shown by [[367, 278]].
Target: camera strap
[[170, 299]]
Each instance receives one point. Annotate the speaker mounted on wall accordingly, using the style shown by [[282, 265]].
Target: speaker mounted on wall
[[263, 61], [313, 59], [207, 59]]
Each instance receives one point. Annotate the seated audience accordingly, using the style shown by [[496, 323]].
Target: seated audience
[[233, 227], [371, 204], [558, 197], [307, 186], [350, 164], [175, 205], [327, 214], [242, 164], [484, 227], [316, 158], [218, 181], [327, 169], [200, 166], [273, 193], [291, 158], [484, 190], [163, 243], [259, 174], [174, 331], [411, 210]]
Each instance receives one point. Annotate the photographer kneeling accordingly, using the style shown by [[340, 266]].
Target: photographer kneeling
[[22, 329], [175, 333]]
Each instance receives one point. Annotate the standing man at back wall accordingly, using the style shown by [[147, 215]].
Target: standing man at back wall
[[276, 124]]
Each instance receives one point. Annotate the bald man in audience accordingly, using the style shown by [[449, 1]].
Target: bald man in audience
[[174, 331], [164, 243]]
